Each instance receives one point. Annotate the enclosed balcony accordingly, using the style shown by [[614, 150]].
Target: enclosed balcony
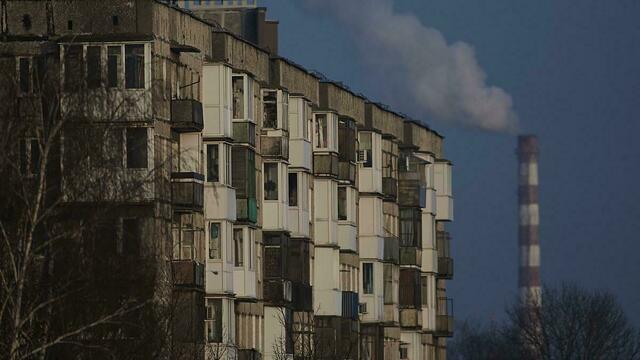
[[445, 262], [186, 115], [188, 273], [275, 147], [392, 249], [350, 305], [187, 189], [389, 188], [412, 182], [244, 132], [444, 317], [347, 141], [325, 164], [244, 181]]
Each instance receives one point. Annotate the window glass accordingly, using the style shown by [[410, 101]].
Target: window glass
[[252, 244], [366, 149], [238, 97], [367, 278], [227, 174], [321, 131], [342, 203], [212, 163], [270, 109], [134, 66], [137, 148], [24, 75], [73, 73], [94, 67], [270, 181], [114, 54], [213, 321], [35, 156], [293, 189], [214, 241], [409, 227], [238, 243]]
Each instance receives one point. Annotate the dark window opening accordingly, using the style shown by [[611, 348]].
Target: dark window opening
[[214, 320], [367, 278], [271, 181], [270, 111], [114, 19], [212, 164], [342, 203], [134, 66], [94, 67], [69, 25], [114, 54], [238, 241], [214, 241], [24, 75], [26, 22], [293, 189], [35, 157], [73, 67], [137, 148]]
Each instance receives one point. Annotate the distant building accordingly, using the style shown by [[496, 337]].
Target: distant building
[[298, 217]]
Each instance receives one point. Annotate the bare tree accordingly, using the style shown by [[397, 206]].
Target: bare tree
[[59, 287]]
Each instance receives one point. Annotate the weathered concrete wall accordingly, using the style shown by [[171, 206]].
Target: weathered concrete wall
[[346, 103], [241, 55], [424, 138], [295, 79], [383, 120]]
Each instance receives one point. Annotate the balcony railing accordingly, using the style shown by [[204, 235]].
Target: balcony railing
[[302, 297], [249, 354], [410, 255], [188, 273], [277, 292], [275, 147], [186, 115], [390, 187], [244, 132], [444, 317], [412, 193], [445, 262], [325, 164], [187, 190], [347, 171], [247, 210], [392, 249], [350, 305]]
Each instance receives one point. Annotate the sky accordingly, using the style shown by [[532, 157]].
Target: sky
[[572, 70]]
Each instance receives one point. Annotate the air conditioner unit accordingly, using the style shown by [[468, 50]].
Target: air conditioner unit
[[362, 308], [363, 156]]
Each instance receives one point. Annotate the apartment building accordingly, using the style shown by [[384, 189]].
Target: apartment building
[[295, 218]]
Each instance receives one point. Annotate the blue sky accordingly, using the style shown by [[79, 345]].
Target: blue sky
[[573, 71]]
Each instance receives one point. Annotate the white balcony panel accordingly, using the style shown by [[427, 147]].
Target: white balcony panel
[[348, 236], [219, 202], [444, 208], [244, 282], [326, 211], [216, 100], [300, 154], [371, 247], [327, 297], [371, 216]]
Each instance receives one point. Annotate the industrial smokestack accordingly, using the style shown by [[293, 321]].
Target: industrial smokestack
[[529, 235]]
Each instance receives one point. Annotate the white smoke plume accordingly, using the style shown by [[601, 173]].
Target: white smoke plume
[[445, 81]]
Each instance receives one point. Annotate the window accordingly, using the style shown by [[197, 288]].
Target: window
[[94, 67], [114, 54], [69, 25], [251, 249], [212, 163], [424, 286], [26, 22], [134, 66], [342, 203], [367, 278], [131, 237], [366, 149], [238, 245], [227, 174], [24, 71], [270, 181], [73, 67], [388, 283], [404, 352], [410, 224], [106, 151], [270, 109], [238, 96], [293, 189], [321, 131], [137, 148], [214, 241], [213, 322], [114, 20]]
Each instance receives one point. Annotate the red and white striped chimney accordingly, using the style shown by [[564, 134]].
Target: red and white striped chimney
[[529, 235]]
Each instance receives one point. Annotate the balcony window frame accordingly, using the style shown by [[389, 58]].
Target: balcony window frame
[[293, 182], [367, 278], [129, 143], [213, 170], [271, 185], [328, 130], [238, 247], [247, 98], [213, 320], [213, 244], [366, 146]]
